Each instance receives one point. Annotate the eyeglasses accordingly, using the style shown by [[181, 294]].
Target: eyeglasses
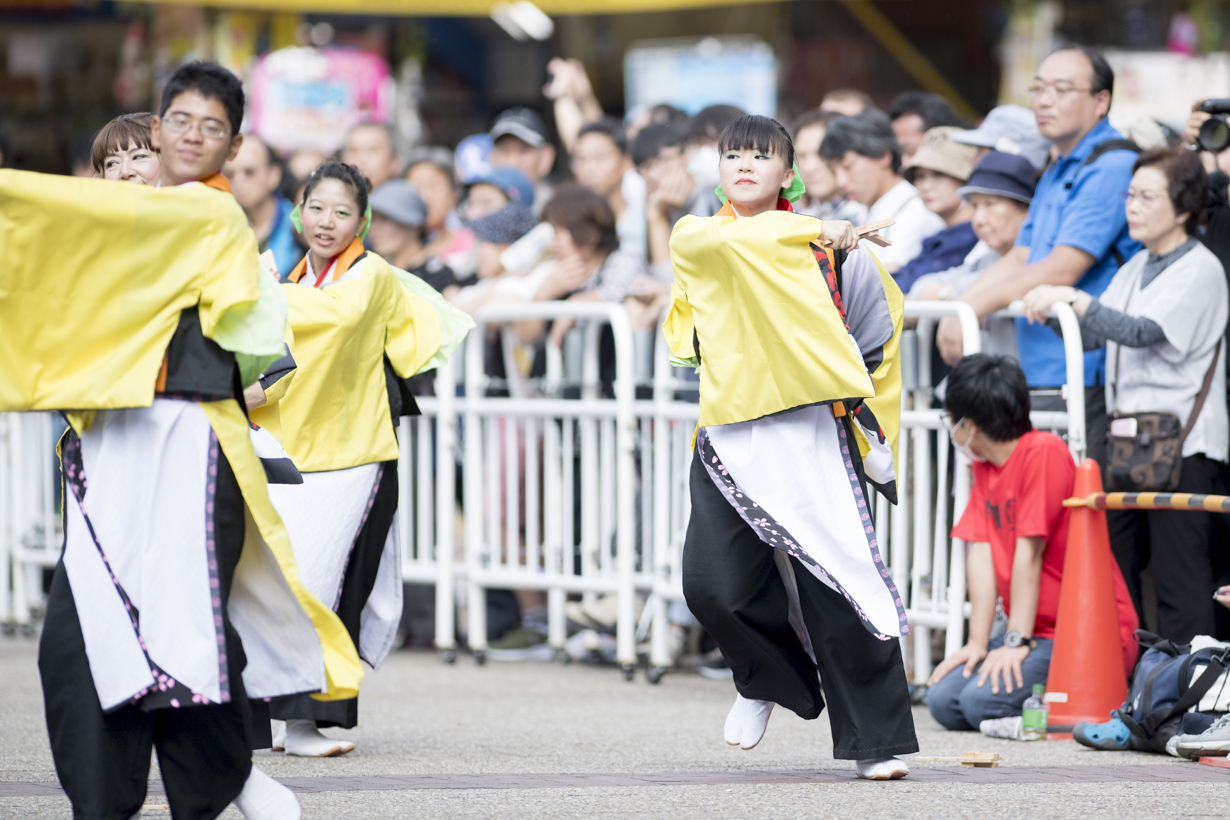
[[180, 123], [1143, 197], [949, 424], [1060, 91]]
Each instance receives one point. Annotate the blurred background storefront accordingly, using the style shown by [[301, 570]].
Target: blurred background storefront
[[440, 69]]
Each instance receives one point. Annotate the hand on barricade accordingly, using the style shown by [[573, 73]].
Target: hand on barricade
[[968, 655], [949, 340], [1039, 300]]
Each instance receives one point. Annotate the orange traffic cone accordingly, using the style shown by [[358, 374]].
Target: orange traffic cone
[[1086, 679]]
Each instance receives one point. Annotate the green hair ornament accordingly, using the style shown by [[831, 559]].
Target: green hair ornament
[[792, 194], [296, 219]]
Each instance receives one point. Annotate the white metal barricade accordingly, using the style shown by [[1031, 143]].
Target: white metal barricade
[[529, 461], [427, 477], [30, 530]]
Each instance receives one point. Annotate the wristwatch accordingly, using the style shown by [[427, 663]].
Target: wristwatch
[[1014, 639]]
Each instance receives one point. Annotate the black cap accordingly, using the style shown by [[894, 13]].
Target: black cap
[[1000, 174], [522, 123]]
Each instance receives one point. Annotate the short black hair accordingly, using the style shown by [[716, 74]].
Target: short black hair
[[990, 391], [212, 82], [809, 118], [1103, 76], [707, 123], [666, 113], [651, 139], [931, 108], [869, 133], [348, 175], [1186, 180], [610, 128], [760, 134], [586, 216]]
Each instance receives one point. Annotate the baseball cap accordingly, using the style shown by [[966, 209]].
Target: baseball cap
[[1002, 174], [522, 123], [1009, 129], [399, 201], [939, 152], [506, 225], [515, 185]]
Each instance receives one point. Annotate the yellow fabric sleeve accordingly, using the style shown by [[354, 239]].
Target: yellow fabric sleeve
[[679, 326], [343, 670]]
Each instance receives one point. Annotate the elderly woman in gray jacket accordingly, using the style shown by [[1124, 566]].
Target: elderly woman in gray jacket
[[1163, 321]]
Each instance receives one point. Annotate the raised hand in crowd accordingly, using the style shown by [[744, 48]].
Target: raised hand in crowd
[[575, 102]]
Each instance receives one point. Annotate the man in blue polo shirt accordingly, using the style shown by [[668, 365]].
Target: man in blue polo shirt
[[1076, 232]]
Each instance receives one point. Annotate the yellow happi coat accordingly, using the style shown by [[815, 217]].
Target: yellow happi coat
[[96, 276]]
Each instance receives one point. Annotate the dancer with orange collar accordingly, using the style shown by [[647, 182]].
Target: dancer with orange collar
[[796, 344], [361, 328]]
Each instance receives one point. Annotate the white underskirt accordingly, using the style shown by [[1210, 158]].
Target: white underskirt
[[791, 465]]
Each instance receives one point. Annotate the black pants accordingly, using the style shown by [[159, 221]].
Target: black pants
[[102, 759], [734, 589], [1175, 545], [357, 584], [1095, 418]]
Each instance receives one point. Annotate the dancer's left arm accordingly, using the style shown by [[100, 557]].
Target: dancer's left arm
[[1005, 662]]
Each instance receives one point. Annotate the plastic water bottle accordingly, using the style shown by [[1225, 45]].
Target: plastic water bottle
[[1034, 715]]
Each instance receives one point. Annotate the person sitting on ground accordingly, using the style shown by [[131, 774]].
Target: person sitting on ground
[[521, 141], [914, 113], [1163, 318], [398, 219], [846, 102], [823, 199], [369, 147], [601, 163], [938, 170], [445, 236], [1016, 528], [865, 158], [255, 176]]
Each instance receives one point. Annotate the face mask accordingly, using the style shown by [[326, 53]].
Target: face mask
[[703, 166], [963, 449]]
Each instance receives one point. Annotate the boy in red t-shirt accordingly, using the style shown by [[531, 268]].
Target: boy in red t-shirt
[[1017, 530]]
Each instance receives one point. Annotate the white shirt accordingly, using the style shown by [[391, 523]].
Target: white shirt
[[914, 223], [1188, 300], [309, 277]]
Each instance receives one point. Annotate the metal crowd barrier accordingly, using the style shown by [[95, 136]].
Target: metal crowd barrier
[[585, 495]]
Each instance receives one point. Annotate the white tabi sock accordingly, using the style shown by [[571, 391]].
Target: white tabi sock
[[264, 798], [303, 739], [279, 737], [881, 768], [746, 722]]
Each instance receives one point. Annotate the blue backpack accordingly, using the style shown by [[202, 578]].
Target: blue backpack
[[1162, 689]]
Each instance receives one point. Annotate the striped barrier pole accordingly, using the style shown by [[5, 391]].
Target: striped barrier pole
[[1152, 501]]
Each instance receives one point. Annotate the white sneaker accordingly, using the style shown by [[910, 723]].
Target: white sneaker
[[279, 737], [264, 798], [746, 722], [303, 739], [881, 768]]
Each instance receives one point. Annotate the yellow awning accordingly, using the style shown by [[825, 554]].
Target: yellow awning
[[460, 8]]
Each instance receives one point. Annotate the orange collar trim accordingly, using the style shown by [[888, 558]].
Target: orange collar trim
[[729, 210], [344, 260], [217, 182]]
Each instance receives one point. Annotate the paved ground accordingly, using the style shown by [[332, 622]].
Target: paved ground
[[541, 740]]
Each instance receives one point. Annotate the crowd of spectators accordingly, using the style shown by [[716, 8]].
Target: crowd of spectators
[[1048, 203]]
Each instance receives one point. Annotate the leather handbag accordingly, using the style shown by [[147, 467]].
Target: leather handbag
[[1151, 458]]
